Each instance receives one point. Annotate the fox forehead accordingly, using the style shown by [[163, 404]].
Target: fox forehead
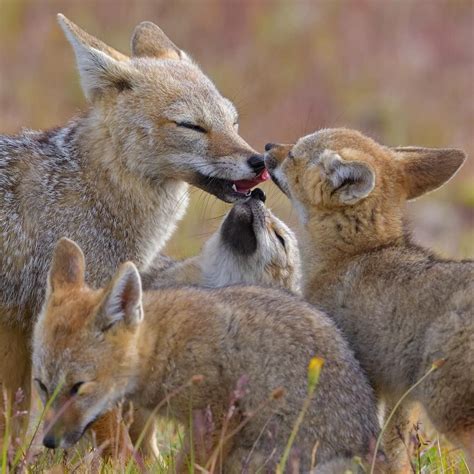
[[336, 139], [184, 87], [67, 314]]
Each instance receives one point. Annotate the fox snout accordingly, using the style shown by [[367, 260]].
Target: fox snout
[[62, 426], [275, 154], [256, 163]]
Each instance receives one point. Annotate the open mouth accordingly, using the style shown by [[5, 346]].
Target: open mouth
[[227, 190]]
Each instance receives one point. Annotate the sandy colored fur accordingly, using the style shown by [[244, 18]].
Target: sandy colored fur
[[267, 337], [400, 306], [115, 178]]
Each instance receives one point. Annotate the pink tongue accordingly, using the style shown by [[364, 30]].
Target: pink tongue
[[245, 185]]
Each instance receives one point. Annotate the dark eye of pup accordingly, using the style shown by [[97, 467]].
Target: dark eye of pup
[[75, 388], [281, 239], [42, 386], [191, 126]]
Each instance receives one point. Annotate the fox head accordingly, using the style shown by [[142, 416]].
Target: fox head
[[252, 246], [84, 345], [164, 116], [342, 172]]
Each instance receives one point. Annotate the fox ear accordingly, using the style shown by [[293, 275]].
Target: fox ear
[[123, 302], [350, 181], [100, 67], [88, 40], [148, 40], [67, 266], [426, 169]]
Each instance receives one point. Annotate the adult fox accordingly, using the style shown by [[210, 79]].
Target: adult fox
[[115, 179]]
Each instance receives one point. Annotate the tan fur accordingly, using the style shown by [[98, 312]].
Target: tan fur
[[401, 307], [118, 347], [116, 178]]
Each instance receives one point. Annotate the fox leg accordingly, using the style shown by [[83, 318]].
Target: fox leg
[[139, 428], [464, 439], [111, 435], [15, 380], [206, 445], [396, 440]]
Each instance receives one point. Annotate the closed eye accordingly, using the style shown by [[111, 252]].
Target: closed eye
[[191, 126], [281, 239], [75, 388], [41, 386]]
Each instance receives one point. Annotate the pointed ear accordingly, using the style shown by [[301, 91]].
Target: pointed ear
[[123, 301], [350, 181], [88, 40], [67, 266], [426, 169], [148, 40], [101, 68]]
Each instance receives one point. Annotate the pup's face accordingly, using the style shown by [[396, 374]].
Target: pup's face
[[337, 168], [252, 246], [84, 345]]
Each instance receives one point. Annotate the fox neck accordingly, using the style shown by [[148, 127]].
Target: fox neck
[[149, 208], [331, 240]]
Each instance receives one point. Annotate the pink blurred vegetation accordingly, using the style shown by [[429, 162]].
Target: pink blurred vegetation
[[400, 71]]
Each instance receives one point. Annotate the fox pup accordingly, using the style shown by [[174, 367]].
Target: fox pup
[[251, 246], [401, 306], [115, 179], [96, 346]]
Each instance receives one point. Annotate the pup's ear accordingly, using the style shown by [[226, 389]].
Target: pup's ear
[[123, 300], [67, 266], [148, 40], [426, 169], [350, 181], [101, 68]]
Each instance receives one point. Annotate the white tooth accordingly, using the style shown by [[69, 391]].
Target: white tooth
[[234, 187]]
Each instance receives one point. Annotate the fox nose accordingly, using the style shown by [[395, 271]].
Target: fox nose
[[257, 193], [50, 441], [269, 146], [257, 163]]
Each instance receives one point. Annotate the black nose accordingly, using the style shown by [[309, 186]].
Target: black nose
[[257, 163], [50, 441], [257, 193], [269, 146]]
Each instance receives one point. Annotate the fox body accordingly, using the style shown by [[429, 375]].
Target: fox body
[[104, 349], [114, 179], [251, 246], [401, 307]]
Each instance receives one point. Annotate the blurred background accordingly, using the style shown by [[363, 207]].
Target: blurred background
[[401, 71]]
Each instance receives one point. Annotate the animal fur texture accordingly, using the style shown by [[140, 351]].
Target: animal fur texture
[[401, 307], [251, 246], [114, 179], [96, 346]]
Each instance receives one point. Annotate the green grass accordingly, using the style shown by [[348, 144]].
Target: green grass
[[26, 455]]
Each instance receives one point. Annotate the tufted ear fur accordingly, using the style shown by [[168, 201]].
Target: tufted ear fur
[[101, 68], [426, 169], [148, 40], [67, 266], [123, 300], [350, 181]]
